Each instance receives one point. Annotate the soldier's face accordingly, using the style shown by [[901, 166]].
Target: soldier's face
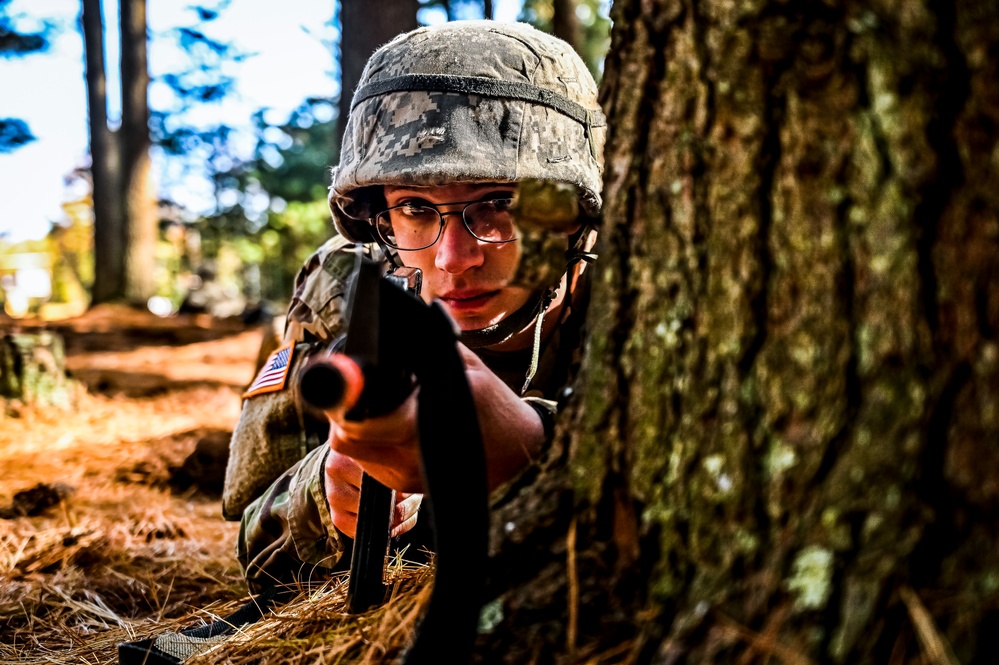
[[470, 277]]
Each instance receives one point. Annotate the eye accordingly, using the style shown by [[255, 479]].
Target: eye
[[414, 207], [500, 204]]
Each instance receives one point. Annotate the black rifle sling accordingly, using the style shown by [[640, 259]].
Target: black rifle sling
[[176, 648], [454, 471]]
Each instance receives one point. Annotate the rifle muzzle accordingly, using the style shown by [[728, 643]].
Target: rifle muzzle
[[331, 383]]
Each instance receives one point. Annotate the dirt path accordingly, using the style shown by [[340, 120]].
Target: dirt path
[[128, 536]]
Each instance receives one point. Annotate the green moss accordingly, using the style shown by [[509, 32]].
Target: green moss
[[811, 578], [893, 498], [836, 532], [989, 582], [491, 616]]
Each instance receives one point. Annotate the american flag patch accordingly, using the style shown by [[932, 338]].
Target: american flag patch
[[274, 374]]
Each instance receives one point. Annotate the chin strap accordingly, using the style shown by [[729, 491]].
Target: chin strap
[[505, 329], [579, 251], [546, 302], [580, 246], [494, 334]]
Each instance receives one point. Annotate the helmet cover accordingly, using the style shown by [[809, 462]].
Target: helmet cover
[[469, 101]]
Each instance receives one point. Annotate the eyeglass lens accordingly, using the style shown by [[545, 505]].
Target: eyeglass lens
[[411, 227]]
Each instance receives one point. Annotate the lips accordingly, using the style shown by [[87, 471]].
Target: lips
[[466, 301]]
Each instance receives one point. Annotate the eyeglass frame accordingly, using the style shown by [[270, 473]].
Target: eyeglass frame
[[440, 215]]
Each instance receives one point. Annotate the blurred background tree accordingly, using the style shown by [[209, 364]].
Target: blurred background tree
[[582, 23], [360, 36], [125, 218]]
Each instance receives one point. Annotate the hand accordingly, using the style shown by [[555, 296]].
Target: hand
[[387, 447], [343, 482]]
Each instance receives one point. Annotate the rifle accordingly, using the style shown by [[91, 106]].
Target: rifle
[[398, 341]]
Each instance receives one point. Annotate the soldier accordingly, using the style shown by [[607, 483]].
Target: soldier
[[452, 133]]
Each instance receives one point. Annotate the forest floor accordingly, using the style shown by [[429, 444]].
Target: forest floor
[[108, 535]]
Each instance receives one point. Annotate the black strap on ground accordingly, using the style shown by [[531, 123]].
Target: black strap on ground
[[175, 648]]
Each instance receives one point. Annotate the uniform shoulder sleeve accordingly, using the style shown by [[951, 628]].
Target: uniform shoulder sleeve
[[316, 311], [273, 431]]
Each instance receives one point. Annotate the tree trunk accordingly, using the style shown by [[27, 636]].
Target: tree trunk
[[105, 169], [360, 35], [565, 24], [33, 370], [125, 213], [138, 192], [788, 430]]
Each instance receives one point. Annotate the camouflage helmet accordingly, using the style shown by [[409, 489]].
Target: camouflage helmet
[[468, 101]]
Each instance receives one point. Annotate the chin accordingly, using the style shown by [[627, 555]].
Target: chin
[[466, 323]]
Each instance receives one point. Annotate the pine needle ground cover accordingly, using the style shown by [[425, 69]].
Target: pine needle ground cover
[[105, 537]]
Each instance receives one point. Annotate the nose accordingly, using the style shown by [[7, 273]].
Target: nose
[[457, 249]]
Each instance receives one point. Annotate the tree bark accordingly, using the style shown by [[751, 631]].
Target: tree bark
[[360, 35], [785, 451], [783, 445], [137, 192], [105, 169]]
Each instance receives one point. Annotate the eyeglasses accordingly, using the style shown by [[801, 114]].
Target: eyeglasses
[[417, 225]]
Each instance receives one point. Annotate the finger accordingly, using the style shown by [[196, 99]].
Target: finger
[[342, 491], [398, 425], [369, 454], [404, 527], [343, 497], [406, 513], [406, 508]]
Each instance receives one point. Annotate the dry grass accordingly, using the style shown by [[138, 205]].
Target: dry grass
[[314, 628], [125, 557], [121, 546]]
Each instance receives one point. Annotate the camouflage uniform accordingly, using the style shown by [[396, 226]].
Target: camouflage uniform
[[471, 101]]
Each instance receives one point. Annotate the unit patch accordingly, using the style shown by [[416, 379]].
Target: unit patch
[[274, 374]]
